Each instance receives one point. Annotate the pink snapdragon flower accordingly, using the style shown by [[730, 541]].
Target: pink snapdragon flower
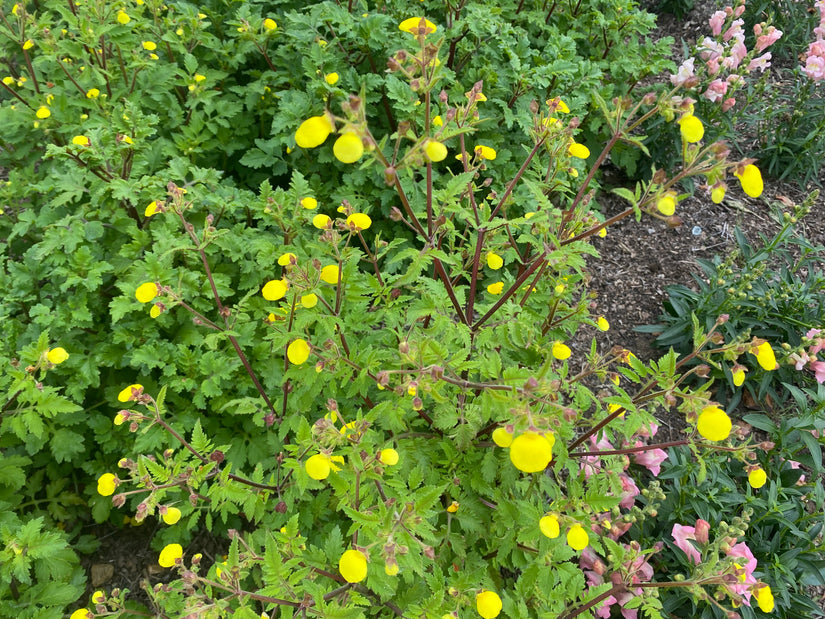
[[760, 63], [744, 558], [651, 459], [716, 21], [685, 72], [763, 41], [682, 534], [735, 31], [716, 90]]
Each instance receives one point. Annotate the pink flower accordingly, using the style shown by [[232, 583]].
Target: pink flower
[[735, 31], [684, 73], [795, 465], [650, 459], [800, 359], [716, 90], [739, 10], [760, 63], [702, 531], [629, 491], [819, 370], [728, 103], [716, 21], [737, 54], [771, 36], [710, 49], [813, 332], [648, 431], [743, 557], [681, 535]]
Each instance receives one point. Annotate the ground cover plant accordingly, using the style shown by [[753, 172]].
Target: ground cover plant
[[306, 276]]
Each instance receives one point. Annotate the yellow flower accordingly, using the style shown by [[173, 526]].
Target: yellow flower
[[738, 374], [359, 221], [119, 419], [57, 355], [412, 25], [28, 44], [717, 194], [577, 537], [298, 351], [150, 46], [453, 507], [764, 598], [438, 121], [318, 467], [126, 394], [348, 148], [667, 204], [549, 526], [435, 150], [199, 78], [80, 613], [751, 181], [146, 292], [531, 452], [329, 274], [485, 152], [691, 128], [321, 221], [92, 93], [389, 457], [151, 209], [331, 78], [560, 351], [8, 80], [81, 140], [714, 424], [494, 261], [179, 32], [496, 288], [43, 112], [353, 566], [309, 300], [391, 569], [313, 131], [286, 259], [502, 437], [123, 17], [106, 484], [15, 10], [275, 289], [765, 356], [309, 203], [561, 106], [270, 24], [170, 554], [579, 151], [757, 477], [488, 604], [153, 56], [602, 323], [172, 515], [98, 597]]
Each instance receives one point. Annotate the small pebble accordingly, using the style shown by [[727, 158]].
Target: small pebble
[[696, 231]]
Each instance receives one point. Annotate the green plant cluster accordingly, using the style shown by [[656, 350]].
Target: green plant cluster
[[771, 289], [307, 279]]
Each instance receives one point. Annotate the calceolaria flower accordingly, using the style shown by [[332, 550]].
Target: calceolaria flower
[[57, 355], [309, 203], [488, 604], [106, 484], [494, 261], [43, 112], [321, 221], [359, 221], [579, 151], [667, 204], [485, 152], [151, 209], [714, 424], [496, 288], [329, 274], [314, 131], [172, 515], [757, 477], [751, 181], [413, 26], [502, 437], [531, 452], [560, 351], [331, 78], [549, 526], [275, 289], [81, 140], [764, 598], [692, 128], [765, 356], [435, 151], [353, 566], [270, 24], [130, 393], [170, 554], [389, 457], [348, 148], [577, 537], [146, 292], [298, 351]]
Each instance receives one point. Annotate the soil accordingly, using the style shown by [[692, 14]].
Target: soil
[[638, 261]]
